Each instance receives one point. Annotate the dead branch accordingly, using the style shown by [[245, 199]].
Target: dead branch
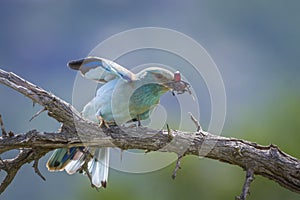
[[268, 161], [246, 187]]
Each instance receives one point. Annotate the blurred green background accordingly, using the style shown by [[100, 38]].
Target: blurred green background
[[255, 44]]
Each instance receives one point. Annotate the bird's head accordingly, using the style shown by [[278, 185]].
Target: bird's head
[[171, 81]]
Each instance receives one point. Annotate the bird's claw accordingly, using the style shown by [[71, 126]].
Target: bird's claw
[[102, 123]]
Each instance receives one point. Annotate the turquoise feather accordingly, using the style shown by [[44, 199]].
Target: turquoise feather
[[124, 97]]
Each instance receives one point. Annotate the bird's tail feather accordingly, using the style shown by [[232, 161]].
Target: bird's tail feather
[[99, 166], [74, 165], [72, 160], [60, 158]]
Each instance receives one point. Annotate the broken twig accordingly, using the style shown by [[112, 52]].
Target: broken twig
[[37, 114], [4, 134], [246, 187], [36, 169], [177, 167], [196, 122]]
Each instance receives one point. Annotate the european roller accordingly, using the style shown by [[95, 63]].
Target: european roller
[[124, 97]]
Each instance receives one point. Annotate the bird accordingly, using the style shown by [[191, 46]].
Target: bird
[[124, 97]]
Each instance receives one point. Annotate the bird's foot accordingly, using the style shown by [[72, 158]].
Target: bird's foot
[[139, 124], [102, 123]]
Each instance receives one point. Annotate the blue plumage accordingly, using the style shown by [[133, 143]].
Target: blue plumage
[[124, 97]]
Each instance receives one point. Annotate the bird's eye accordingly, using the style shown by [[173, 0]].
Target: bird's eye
[[159, 76]]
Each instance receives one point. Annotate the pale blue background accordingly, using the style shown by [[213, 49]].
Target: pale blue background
[[255, 44]]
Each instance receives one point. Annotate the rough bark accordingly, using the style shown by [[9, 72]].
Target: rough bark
[[268, 161]]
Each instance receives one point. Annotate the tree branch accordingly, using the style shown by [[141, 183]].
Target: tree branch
[[268, 161]]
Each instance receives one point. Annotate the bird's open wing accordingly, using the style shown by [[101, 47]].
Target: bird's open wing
[[100, 69]]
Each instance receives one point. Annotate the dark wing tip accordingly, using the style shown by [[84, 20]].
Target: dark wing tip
[[75, 64]]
